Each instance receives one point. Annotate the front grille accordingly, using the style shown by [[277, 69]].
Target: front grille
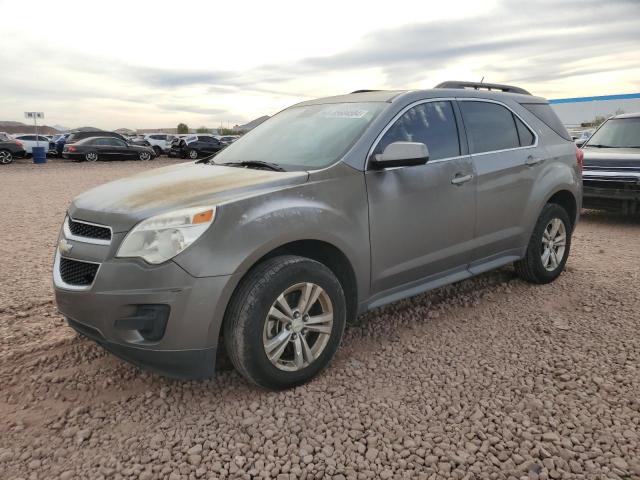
[[87, 230], [74, 272]]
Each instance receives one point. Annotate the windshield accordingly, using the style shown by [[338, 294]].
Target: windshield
[[617, 133], [306, 137]]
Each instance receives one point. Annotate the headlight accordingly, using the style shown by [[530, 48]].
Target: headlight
[[164, 236]]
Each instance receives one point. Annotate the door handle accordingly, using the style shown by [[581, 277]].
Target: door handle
[[459, 179], [531, 161]]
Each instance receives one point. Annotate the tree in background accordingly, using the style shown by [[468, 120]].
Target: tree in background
[[228, 131], [203, 130], [183, 128]]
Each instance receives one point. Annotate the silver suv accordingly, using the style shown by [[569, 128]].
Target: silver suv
[[330, 208]]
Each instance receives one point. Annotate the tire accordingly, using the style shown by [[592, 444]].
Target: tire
[[193, 154], [532, 267], [91, 156], [6, 157], [157, 150], [144, 156], [250, 328]]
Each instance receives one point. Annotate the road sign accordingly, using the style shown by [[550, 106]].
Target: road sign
[[35, 116]]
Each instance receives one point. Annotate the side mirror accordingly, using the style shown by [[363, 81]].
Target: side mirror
[[402, 154]]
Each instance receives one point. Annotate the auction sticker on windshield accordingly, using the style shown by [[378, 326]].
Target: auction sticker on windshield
[[342, 112]]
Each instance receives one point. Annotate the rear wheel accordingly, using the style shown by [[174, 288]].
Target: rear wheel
[[6, 157], [144, 156], [548, 247], [193, 154], [91, 157], [285, 322]]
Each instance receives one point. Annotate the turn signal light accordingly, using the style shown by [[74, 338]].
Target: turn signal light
[[203, 217]]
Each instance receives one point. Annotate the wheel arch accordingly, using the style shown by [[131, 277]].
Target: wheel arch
[[319, 250]]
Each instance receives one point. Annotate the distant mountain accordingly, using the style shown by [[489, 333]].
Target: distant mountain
[[20, 127], [61, 128], [8, 123], [252, 124]]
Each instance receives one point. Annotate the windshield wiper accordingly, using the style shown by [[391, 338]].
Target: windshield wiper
[[254, 164], [600, 146]]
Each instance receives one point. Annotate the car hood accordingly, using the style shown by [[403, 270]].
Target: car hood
[[612, 158], [123, 203]]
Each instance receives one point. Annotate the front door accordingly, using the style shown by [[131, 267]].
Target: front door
[[421, 217]]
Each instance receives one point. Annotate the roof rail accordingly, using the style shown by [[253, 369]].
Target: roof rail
[[364, 91], [482, 86]]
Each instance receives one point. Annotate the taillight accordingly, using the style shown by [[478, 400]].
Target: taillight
[[580, 157], [19, 143], [71, 148]]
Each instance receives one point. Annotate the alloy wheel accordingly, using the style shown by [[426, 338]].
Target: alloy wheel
[[193, 154], [298, 326], [5, 157], [144, 156], [554, 241], [91, 156]]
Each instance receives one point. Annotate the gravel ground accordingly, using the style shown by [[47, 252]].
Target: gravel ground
[[488, 378]]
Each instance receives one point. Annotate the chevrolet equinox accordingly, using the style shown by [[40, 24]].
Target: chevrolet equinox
[[330, 208]]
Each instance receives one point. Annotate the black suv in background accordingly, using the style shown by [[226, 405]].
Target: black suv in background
[[80, 135], [611, 175], [195, 146]]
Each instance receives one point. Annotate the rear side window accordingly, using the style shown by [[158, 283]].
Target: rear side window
[[545, 113], [431, 123], [525, 135], [490, 126]]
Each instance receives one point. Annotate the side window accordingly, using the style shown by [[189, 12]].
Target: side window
[[525, 135], [431, 123], [489, 126]]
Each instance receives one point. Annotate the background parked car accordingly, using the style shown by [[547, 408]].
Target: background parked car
[[583, 137], [106, 148], [140, 141], [160, 142], [75, 136], [228, 139], [30, 141], [611, 174], [195, 146], [10, 149], [59, 142]]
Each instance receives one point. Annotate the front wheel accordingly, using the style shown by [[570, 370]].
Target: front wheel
[[91, 157], [193, 154], [285, 322], [144, 156], [548, 247], [6, 157]]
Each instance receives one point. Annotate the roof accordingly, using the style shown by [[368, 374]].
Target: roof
[[628, 115], [623, 96], [391, 95]]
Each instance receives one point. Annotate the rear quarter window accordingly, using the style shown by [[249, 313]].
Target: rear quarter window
[[546, 115]]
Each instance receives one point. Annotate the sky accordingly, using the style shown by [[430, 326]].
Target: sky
[[153, 64]]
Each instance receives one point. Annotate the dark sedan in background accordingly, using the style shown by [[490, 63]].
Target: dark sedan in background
[[10, 149], [195, 146], [611, 175], [106, 148]]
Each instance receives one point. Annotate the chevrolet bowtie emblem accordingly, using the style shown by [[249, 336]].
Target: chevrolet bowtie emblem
[[64, 246]]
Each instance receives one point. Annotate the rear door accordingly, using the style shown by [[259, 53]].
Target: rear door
[[421, 224], [506, 158]]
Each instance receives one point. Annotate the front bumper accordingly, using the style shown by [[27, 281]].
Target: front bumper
[[104, 309], [611, 190]]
